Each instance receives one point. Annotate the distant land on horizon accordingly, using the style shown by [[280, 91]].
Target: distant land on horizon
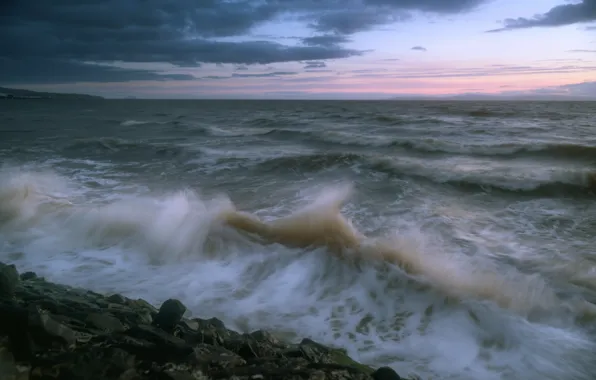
[[15, 93]]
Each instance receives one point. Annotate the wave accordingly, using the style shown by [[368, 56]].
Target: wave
[[557, 150], [321, 224], [486, 176], [475, 176], [510, 110], [105, 146], [310, 162], [399, 280], [560, 151], [166, 228], [130, 123], [183, 225]]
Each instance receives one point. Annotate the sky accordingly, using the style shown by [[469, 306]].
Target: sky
[[301, 49]]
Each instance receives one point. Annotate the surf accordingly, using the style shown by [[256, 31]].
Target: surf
[[184, 224], [321, 224]]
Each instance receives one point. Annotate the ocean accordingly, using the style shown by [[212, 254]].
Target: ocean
[[484, 215]]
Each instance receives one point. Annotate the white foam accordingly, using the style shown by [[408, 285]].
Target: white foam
[[173, 245]]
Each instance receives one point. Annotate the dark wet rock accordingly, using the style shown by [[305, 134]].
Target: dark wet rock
[[105, 322], [41, 323], [385, 373], [9, 279], [50, 331], [170, 314], [116, 298], [28, 276]]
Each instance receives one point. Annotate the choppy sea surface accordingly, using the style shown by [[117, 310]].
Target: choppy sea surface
[[493, 202]]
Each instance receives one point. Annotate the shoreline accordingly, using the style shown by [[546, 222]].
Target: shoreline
[[62, 332]]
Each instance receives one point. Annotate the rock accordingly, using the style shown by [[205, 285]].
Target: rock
[[217, 357], [9, 279], [116, 298], [385, 373], [28, 276], [170, 314], [105, 322], [143, 305], [50, 331], [46, 327]]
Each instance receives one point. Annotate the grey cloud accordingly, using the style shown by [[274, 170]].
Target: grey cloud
[[351, 21], [581, 51], [437, 6], [565, 14], [215, 77], [325, 40], [47, 71], [241, 68], [582, 89], [311, 79], [264, 75], [351, 16], [252, 75], [185, 33], [419, 48], [370, 14], [315, 65]]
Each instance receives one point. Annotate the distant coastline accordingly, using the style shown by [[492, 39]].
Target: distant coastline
[[14, 93]]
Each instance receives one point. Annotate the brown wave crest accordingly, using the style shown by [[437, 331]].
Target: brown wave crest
[[321, 224]]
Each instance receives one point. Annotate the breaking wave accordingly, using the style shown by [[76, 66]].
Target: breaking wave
[[184, 225]]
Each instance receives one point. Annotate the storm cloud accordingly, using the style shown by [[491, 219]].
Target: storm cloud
[[566, 14], [62, 41], [48, 71], [315, 65]]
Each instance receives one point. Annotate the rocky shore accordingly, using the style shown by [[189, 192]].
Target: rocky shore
[[51, 331]]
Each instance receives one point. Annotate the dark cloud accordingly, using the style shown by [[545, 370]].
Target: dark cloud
[[253, 75], [436, 6], [315, 65], [264, 75], [419, 48], [72, 33], [47, 71], [325, 40], [241, 68], [566, 14], [357, 20]]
